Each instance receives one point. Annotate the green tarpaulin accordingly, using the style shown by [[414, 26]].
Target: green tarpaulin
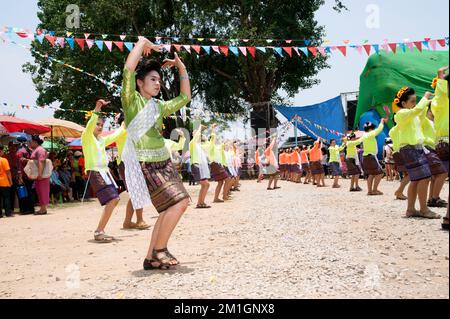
[[385, 74]]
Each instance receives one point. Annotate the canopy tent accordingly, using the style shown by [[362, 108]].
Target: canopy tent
[[75, 144], [322, 119], [385, 74]]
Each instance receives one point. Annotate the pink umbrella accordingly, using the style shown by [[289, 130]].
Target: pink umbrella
[[15, 124]]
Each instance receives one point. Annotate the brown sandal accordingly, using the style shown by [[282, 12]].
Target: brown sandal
[[101, 237], [163, 258]]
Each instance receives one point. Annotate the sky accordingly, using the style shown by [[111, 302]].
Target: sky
[[366, 20]]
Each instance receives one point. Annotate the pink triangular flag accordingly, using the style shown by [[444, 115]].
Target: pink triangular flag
[[433, 44], [89, 43], [109, 45], [61, 41], [359, 49], [177, 47], [187, 48], [296, 51], [167, 47], [322, 51], [122, 37], [243, 50], [215, 49], [385, 47]]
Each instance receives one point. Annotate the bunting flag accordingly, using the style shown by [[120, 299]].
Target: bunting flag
[[100, 41]]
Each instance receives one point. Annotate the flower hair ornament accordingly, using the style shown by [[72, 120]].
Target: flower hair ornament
[[434, 83], [396, 102]]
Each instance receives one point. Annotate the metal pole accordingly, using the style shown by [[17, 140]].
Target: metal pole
[[296, 132]]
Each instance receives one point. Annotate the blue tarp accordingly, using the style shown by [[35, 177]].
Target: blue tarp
[[329, 114]]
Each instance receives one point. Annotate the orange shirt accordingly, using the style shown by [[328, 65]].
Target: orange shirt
[[271, 156], [304, 155], [257, 160], [4, 169], [295, 158], [283, 158], [315, 155]]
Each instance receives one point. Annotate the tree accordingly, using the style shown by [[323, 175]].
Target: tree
[[224, 84]]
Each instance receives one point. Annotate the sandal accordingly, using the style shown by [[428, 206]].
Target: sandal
[[163, 258], [439, 203], [142, 225], [172, 257], [378, 193], [277, 187], [270, 188], [400, 197], [410, 214], [40, 213], [149, 264], [203, 206], [101, 237]]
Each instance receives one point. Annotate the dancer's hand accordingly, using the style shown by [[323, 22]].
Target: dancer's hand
[[441, 72], [176, 62], [180, 132], [428, 95], [149, 46], [383, 120], [101, 103]]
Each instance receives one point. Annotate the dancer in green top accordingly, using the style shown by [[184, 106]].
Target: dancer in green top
[[148, 168]]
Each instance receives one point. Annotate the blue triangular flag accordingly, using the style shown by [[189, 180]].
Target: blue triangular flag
[[402, 46], [51, 33], [307, 42], [328, 50], [377, 48], [40, 38], [176, 39], [427, 44], [234, 50], [71, 42], [262, 49], [99, 44], [207, 49], [278, 50], [128, 45], [305, 51]]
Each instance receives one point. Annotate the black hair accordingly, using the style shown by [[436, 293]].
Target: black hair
[[144, 67], [408, 92], [332, 140], [37, 139], [351, 135], [369, 126], [120, 119]]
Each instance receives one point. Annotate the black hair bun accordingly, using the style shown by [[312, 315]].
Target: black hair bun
[[37, 139]]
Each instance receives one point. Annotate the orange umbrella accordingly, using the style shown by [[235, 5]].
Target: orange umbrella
[[62, 128], [15, 124]]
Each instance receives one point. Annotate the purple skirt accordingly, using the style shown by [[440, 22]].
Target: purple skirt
[[416, 163], [317, 168], [352, 168], [335, 169], [436, 165], [104, 192], [371, 165], [218, 172], [399, 163]]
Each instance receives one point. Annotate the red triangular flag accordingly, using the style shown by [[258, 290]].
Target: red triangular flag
[[393, 47], [80, 42], [368, 48], [50, 39], [418, 45], [441, 42], [252, 51], [196, 48], [224, 50], [288, 50], [313, 50], [177, 47], [343, 49], [22, 34], [119, 44]]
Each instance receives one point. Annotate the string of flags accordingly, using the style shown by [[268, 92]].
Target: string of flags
[[317, 126], [307, 50]]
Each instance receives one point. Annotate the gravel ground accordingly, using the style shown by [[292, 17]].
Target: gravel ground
[[298, 242]]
